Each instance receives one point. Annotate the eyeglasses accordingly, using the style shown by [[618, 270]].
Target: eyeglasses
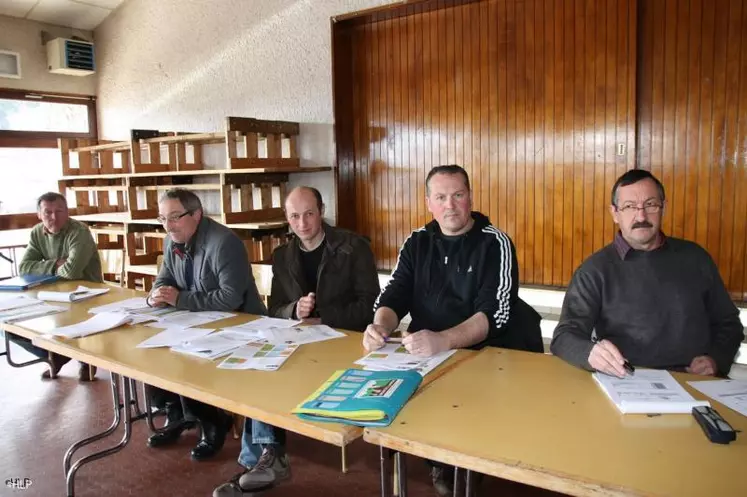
[[649, 207], [172, 217]]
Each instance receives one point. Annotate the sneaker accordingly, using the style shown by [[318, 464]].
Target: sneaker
[[269, 471], [443, 481], [231, 488]]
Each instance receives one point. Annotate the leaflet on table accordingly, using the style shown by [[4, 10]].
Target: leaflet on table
[[259, 356], [173, 336], [254, 328], [300, 334], [213, 345], [186, 319], [647, 391], [80, 293], [731, 393], [29, 312], [8, 302], [395, 357], [100, 322], [128, 305]]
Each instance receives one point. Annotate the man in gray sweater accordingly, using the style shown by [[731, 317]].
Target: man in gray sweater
[[205, 268], [653, 300]]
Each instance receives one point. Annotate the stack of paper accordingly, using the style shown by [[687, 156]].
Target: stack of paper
[[29, 312], [212, 346], [168, 317], [8, 302], [300, 335], [100, 322], [255, 328], [81, 293], [647, 391], [171, 337], [731, 393], [394, 357], [259, 356]]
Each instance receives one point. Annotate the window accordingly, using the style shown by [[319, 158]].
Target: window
[[26, 174], [29, 119]]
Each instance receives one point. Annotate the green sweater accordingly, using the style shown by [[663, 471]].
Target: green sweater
[[74, 243]]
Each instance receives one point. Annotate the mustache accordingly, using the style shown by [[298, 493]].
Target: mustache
[[641, 224]]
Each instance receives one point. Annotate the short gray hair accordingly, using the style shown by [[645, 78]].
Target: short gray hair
[[187, 198], [50, 197]]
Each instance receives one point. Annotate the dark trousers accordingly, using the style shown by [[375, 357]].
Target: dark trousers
[[180, 407], [26, 345]]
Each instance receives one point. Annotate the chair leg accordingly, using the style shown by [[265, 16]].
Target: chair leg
[[238, 426]]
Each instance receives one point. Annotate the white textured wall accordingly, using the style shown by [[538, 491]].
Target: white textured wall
[[24, 37], [186, 64]]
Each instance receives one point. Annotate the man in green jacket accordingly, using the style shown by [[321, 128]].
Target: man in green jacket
[[64, 247]]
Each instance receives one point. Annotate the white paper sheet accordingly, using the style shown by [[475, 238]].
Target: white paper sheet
[[647, 391], [259, 356], [394, 357], [80, 293], [212, 346], [30, 312], [187, 319], [127, 305], [731, 393], [100, 322], [300, 334], [173, 336], [8, 302]]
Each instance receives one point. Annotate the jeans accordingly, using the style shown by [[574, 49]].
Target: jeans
[[255, 436]]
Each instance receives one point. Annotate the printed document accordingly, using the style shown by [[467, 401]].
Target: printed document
[[173, 336], [100, 322], [395, 357], [259, 356], [731, 393], [647, 391], [81, 293]]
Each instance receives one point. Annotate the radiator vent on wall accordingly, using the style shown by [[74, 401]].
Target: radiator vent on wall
[[71, 57]]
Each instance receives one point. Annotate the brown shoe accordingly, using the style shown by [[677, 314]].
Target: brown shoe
[[86, 372], [56, 361]]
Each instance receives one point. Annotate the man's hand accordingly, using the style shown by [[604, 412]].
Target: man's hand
[[702, 365], [605, 357], [426, 343], [375, 337], [59, 263], [305, 305], [164, 295]]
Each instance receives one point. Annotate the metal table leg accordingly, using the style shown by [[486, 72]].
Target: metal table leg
[[126, 406], [385, 462], [20, 364], [401, 469]]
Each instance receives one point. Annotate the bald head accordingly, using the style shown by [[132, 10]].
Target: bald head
[[304, 210]]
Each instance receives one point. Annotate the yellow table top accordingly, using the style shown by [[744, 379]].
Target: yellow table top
[[534, 419], [267, 396]]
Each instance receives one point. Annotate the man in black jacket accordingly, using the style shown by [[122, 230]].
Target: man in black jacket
[[324, 275], [458, 278]]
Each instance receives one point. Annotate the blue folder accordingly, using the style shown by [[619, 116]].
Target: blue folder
[[361, 398], [20, 283]]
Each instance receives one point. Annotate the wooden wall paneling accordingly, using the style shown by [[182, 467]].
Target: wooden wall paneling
[[516, 92], [738, 277]]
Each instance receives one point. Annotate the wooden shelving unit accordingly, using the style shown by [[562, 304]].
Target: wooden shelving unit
[[116, 185]]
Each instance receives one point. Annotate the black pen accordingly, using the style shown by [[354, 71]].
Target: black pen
[[626, 365]]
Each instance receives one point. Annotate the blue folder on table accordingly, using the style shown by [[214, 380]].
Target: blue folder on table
[[361, 398], [20, 283]]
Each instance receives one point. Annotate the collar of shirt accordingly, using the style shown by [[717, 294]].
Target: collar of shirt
[[623, 247]]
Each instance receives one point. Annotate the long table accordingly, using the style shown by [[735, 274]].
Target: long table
[[534, 419], [266, 396]]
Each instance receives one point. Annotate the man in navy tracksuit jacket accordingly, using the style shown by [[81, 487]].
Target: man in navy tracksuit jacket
[[458, 279]]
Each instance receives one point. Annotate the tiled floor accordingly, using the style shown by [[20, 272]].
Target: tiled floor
[[40, 419]]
